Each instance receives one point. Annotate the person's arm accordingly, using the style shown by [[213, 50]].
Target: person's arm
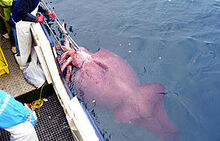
[[29, 17], [24, 8], [51, 14], [23, 11]]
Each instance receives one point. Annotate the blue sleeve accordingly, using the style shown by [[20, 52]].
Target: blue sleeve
[[22, 10], [12, 112]]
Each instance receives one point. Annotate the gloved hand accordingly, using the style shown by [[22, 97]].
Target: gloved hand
[[51, 14], [40, 19]]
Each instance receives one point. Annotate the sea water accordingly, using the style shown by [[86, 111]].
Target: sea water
[[174, 42]]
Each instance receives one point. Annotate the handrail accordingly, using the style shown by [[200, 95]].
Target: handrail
[[67, 36]]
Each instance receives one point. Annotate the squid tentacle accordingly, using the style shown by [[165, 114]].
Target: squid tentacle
[[66, 63]]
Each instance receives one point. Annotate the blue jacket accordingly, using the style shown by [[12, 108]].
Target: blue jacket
[[23, 8], [12, 112], [22, 11]]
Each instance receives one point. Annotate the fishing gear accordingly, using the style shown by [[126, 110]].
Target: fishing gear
[[71, 41], [51, 31], [54, 36]]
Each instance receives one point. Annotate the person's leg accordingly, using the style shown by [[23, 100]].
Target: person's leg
[[6, 35], [24, 38], [22, 132], [2, 26], [16, 40], [8, 27], [11, 37], [10, 32]]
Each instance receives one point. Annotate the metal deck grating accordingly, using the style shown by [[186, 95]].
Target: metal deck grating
[[4, 135], [14, 82], [52, 124]]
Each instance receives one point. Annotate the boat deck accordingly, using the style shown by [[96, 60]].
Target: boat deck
[[51, 125], [14, 82]]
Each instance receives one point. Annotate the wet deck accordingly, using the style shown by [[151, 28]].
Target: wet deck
[[52, 124], [13, 83]]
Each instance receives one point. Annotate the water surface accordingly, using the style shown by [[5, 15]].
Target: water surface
[[172, 42]]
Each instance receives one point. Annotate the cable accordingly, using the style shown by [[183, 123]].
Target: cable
[[37, 104], [71, 41], [54, 36]]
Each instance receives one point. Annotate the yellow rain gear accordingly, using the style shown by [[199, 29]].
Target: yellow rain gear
[[5, 11]]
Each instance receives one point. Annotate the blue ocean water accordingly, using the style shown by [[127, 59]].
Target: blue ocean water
[[176, 43]]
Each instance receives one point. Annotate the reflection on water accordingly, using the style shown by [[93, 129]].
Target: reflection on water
[[172, 42]]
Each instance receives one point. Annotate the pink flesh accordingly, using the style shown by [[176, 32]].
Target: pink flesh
[[112, 83]]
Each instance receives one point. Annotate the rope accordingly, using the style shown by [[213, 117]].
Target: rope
[[29, 117], [72, 42], [38, 103], [54, 36]]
